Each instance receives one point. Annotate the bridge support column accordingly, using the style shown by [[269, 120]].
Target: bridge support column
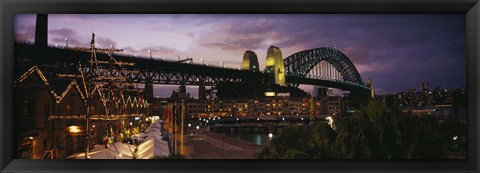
[[148, 90], [182, 91], [201, 91], [41, 31]]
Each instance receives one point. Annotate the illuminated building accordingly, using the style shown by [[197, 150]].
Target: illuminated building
[[266, 106], [45, 106], [424, 87], [250, 61], [274, 64]]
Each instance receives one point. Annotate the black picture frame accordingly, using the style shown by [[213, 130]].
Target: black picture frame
[[8, 8]]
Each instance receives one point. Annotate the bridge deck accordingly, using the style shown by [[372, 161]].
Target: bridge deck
[[164, 72]]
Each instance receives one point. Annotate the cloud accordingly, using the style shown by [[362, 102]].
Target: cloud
[[191, 35], [256, 27], [225, 46], [59, 35], [240, 34], [248, 43], [106, 42], [159, 49], [63, 32], [129, 49], [71, 41], [25, 33], [156, 50]]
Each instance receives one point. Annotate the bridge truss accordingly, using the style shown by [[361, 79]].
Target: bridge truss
[[148, 70], [300, 64]]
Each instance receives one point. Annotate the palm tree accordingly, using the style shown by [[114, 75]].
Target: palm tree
[[374, 132], [289, 144], [425, 143], [351, 141], [322, 141]]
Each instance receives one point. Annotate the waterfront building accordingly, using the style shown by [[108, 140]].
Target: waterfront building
[[425, 87], [266, 106], [46, 106]]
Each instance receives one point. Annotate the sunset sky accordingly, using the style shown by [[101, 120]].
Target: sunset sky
[[396, 51]]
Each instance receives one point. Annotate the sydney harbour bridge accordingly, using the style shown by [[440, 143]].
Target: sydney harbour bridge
[[321, 67]]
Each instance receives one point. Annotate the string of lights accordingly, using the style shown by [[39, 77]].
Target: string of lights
[[96, 117]]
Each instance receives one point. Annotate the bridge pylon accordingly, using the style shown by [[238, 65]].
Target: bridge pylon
[[201, 91], [148, 92], [274, 65], [250, 61], [370, 86]]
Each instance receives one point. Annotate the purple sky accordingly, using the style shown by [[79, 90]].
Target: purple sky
[[396, 51]]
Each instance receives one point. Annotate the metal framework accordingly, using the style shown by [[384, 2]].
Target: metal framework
[[300, 64], [160, 76], [136, 69]]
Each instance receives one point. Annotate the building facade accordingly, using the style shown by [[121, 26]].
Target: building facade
[[45, 108]]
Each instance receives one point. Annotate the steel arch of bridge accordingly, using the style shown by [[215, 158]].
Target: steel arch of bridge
[[300, 64]]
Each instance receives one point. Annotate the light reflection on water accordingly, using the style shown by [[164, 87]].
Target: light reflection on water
[[255, 138]]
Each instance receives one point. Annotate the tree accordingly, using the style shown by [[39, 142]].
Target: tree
[[374, 132], [289, 144], [322, 141]]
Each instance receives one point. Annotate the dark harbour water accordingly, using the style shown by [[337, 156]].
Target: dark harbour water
[[255, 138]]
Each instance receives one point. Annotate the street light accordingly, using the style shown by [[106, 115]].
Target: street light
[[198, 127], [270, 135], [455, 145]]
